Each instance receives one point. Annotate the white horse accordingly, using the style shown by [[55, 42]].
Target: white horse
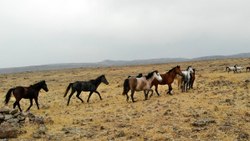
[[238, 68], [186, 79], [228, 69]]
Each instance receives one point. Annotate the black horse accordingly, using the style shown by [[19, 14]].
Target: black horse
[[80, 86], [30, 92]]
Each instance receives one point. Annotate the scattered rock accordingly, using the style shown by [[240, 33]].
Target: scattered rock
[[14, 111], [199, 129], [168, 113], [8, 131], [243, 136], [120, 134], [40, 132], [203, 122]]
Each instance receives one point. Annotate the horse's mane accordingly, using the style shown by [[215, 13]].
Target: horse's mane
[[39, 84], [151, 74], [189, 67], [172, 69]]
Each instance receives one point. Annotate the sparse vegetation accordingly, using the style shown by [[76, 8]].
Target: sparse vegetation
[[218, 108]]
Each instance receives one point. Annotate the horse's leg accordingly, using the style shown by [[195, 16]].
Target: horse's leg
[[169, 89], [132, 95], [89, 96], [127, 97], [72, 92], [156, 90], [98, 94], [78, 95], [37, 104], [17, 103], [146, 94], [184, 87], [31, 103], [150, 94], [14, 105]]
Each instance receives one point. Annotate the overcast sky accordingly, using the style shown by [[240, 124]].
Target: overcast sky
[[35, 32]]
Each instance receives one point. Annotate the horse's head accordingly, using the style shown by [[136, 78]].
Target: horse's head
[[178, 70], [157, 75], [190, 69], [104, 80], [44, 86]]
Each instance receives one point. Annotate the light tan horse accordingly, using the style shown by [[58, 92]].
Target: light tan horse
[[140, 84]]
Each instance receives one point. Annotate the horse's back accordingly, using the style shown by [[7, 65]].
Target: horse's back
[[83, 86], [24, 92]]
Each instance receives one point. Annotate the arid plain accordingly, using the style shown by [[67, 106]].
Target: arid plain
[[218, 108]]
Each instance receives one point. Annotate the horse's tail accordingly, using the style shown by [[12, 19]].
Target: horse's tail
[[67, 90], [8, 95], [126, 87]]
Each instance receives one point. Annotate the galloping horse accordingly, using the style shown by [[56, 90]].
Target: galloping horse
[[186, 79], [247, 69], [80, 86], [167, 78], [30, 92], [140, 84]]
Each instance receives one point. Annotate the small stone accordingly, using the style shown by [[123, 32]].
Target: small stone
[[14, 111], [7, 117]]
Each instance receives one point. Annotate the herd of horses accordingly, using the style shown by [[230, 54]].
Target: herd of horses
[[140, 82], [236, 69]]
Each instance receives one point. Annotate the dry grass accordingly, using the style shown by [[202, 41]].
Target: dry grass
[[217, 95]]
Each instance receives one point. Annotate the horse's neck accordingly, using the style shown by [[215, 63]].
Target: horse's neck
[[172, 74], [36, 87], [150, 80], [97, 82]]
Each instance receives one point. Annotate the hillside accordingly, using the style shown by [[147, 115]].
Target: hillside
[[109, 63], [216, 109]]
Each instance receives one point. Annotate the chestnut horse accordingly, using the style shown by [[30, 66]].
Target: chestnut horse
[[30, 92], [167, 78], [140, 84]]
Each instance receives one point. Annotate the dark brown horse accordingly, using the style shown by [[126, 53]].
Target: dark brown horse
[[192, 79], [90, 86], [30, 92], [247, 69], [167, 79]]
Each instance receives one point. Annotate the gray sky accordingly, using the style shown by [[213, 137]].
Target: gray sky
[[36, 32]]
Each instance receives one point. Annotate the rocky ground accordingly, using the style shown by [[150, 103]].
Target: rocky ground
[[218, 108]]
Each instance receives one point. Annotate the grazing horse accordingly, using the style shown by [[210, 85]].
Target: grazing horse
[[140, 84], [80, 86], [167, 78], [30, 92], [186, 79], [228, 69], [247, 69]]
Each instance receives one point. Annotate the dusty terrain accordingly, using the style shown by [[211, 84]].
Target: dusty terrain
[[218, 108]]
